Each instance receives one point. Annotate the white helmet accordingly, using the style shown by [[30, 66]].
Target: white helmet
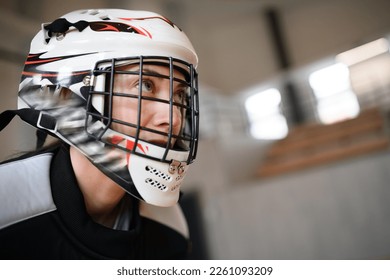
[[68, 82]]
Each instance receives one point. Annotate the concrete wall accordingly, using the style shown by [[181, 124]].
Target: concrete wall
[[339, 211]]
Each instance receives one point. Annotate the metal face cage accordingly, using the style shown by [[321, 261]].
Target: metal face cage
[[100, 104]]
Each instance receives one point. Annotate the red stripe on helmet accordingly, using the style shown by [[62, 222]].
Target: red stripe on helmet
[[42, 61], [53, 74]]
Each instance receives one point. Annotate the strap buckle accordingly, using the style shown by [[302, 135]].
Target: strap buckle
[[47, 122]]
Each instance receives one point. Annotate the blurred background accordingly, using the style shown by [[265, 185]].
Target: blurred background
[[294, 159]]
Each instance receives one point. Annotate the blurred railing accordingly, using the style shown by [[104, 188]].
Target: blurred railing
[[315, 144]]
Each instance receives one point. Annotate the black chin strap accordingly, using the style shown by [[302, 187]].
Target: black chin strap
[[44, 123]]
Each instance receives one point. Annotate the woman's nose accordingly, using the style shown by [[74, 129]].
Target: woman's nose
[[166, 114]]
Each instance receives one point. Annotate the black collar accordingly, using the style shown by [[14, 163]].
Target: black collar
[[95, 239]]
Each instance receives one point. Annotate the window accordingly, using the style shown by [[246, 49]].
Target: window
[[265, 115], [335, 99]]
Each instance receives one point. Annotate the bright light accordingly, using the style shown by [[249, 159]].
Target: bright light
[[272, 128], [329, 80], [364, 52], [263, 104], [335, 99], [266, 119], [342, 107]]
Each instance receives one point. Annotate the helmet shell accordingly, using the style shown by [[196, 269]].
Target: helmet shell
[[110, 33]]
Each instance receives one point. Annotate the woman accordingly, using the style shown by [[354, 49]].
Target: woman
[[118, 89]]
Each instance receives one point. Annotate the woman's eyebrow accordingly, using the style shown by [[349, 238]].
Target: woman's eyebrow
[[144, 71], [153, 73]]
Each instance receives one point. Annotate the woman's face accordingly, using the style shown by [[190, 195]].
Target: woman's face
[[154, 115]]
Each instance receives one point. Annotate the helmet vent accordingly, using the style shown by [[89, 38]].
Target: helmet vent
[[158, 173], [156, 184], [93, 12]]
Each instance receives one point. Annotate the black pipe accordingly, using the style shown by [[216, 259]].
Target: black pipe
[[282, 57]]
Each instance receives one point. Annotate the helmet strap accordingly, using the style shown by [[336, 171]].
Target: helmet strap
[[43, 122]]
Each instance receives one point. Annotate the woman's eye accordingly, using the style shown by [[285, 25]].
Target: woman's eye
[[147, 86], [180, 95]]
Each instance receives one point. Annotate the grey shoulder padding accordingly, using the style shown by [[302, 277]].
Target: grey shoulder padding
[[25, 190]]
